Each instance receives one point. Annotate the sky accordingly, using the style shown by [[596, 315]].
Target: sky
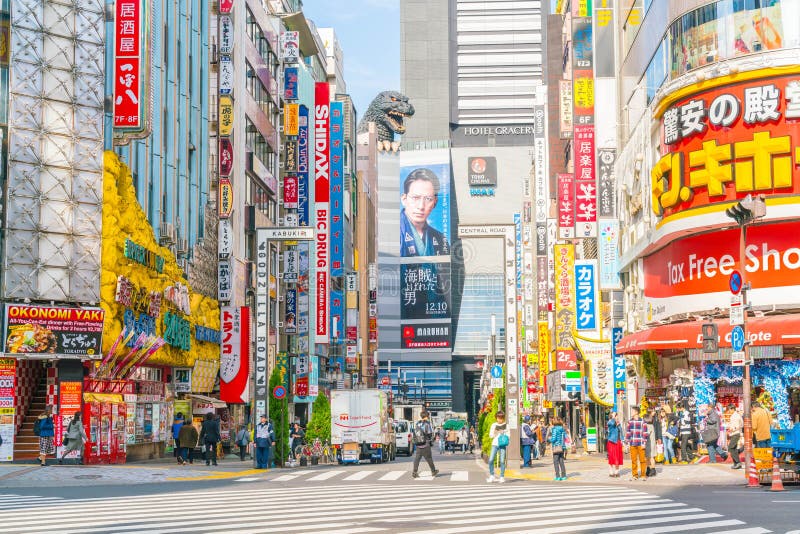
[[369, 34]]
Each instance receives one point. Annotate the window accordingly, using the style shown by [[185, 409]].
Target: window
[[260, 93], [260, 148], [256, 35]]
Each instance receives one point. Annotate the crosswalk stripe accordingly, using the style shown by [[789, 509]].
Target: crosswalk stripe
[[459, 476], [393, 475], [325, 475], [756, 530], [683, 528], [285, 478], [359, 475]]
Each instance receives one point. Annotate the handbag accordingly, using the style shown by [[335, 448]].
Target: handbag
[[557, 449], [502, 441], [65, 440]]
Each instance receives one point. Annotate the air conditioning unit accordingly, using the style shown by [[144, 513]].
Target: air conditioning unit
[[280, 297], [166, 233], [182, 247], [183, 263], [280, 324], [280, 128]]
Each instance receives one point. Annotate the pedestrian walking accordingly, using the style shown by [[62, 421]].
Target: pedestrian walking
[[541, 437], [500, 436], [710, 434], [582, 437], [265, 440], [45, 429], [650, 446], [556, 437], [452, 438], [636, 437], [463, 439], [188, 438], [74, 438], [735, 426], [528, 438], [423, 439], [242, 440], [762, 425], [209, 437], [441, 436], [473, 439], [177, 423], [614, 445]]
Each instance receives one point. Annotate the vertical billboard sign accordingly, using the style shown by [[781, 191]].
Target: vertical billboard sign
[[337, 316], [566, 206], [302, 295], [587, 298], [290, 315], [425, 236], [291, 119], [585, 185], [620, 369], [565, 109], [130, 62], [290, 83], [608, 254], [565, 306], [544, 353], [290, 192], [261, 371], [302, 168], [606, 182], [234, 360], [337, 189], [322, 207]]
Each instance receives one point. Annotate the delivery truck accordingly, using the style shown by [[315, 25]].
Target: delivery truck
[[361, 428]]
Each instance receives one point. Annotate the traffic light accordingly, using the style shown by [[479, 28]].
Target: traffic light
[[710, 338], [747, 209]]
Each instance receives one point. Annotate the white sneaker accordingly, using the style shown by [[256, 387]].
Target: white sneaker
[[490, 479], [502, 480]]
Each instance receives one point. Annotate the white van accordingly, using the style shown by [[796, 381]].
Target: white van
[[404, 438]]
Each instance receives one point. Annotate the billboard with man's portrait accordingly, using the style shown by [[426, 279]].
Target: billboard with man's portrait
[[425, 206]]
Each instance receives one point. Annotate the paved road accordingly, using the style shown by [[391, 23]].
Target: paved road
[[383, 498]]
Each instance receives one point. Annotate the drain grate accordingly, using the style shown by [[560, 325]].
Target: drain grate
[[87, 477]]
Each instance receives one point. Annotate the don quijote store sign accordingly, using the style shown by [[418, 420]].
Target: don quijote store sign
[[721, 144]]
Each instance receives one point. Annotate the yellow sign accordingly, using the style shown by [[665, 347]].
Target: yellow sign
[[225, 115], [225, 202], [565, 295], [544, 352], [291, 119]]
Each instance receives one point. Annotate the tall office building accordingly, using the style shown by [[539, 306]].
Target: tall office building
[[473, 72]]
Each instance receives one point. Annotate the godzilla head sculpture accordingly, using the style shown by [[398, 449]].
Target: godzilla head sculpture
[[387, 111]]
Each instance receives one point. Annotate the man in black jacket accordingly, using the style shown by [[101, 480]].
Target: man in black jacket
[[209, 437], [423, 439]]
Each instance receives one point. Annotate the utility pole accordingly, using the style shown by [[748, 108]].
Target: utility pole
[[745, 212]]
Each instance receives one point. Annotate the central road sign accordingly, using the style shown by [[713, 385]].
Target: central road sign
[[737, 338], [497, 372], [735, 282]]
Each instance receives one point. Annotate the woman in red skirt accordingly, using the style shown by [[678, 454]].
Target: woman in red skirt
[[614, 445]]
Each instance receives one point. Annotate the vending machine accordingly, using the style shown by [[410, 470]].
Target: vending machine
[[118, 438], [91, 418]]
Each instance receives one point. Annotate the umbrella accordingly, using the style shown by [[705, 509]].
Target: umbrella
[[454, 424]]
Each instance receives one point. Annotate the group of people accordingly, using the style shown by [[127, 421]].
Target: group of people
[[187, 438], [453, 440], [655, 437], [73, 440]]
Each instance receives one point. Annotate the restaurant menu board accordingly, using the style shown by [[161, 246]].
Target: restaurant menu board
[[53, 330], [7, 433], [7, 380]]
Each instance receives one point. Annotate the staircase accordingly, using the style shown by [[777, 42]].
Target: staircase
[[26, 444]]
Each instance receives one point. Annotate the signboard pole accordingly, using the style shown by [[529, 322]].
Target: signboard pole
[[748, 424]]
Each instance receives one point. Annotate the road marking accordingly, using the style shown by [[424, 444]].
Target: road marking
[[789, 501], [325, 475], [285, 478], [358, 475], [756, 530], [393, 475], [459, 476], [247, 479]]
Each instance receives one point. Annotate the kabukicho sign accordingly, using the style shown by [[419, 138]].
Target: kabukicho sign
[[724, 143], [692, 274]]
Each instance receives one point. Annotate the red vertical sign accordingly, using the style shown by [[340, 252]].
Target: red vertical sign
[[234, 370], [128, 59], [585, 182], [290, 191], [322, 195]]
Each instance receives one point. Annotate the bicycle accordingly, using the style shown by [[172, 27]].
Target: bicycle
[[328, 454]]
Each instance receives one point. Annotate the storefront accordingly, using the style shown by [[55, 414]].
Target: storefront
[[688, 376]]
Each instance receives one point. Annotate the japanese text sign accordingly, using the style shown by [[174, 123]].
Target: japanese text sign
[[234, 360], [565, 306], [722, 144], [566, 206], [225, 201], [585, 182], [587, 305], [52, 330], [129, 63]]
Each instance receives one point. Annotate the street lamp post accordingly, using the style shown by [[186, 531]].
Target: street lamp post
[[745, 212], [493, 340]]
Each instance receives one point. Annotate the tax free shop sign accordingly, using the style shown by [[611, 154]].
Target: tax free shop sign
[[692, 274]]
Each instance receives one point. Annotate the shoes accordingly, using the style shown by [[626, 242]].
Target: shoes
[[215, 463], [557, 479], [434, 472], [60, 461], [414, 475], [208, 463], [502, 480], [736, 466], [490, 479]]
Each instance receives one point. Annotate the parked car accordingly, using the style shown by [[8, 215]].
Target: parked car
[[404, 440]]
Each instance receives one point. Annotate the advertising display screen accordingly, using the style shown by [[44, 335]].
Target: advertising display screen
[[425, 291], [425, 210], [50, 330]]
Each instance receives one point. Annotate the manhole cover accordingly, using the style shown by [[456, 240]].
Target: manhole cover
[[86, 477]]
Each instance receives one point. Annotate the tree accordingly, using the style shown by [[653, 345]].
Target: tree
[[278, 413], [320, 424], [498, 403]]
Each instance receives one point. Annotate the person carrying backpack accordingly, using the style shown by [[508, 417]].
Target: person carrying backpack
[[500, 437], [423, 439], [45, 429], [528, 441]]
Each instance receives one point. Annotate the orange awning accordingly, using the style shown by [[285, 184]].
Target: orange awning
[[761, 331]]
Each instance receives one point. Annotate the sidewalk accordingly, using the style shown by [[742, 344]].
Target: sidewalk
[[593, 469], [153, 471]]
